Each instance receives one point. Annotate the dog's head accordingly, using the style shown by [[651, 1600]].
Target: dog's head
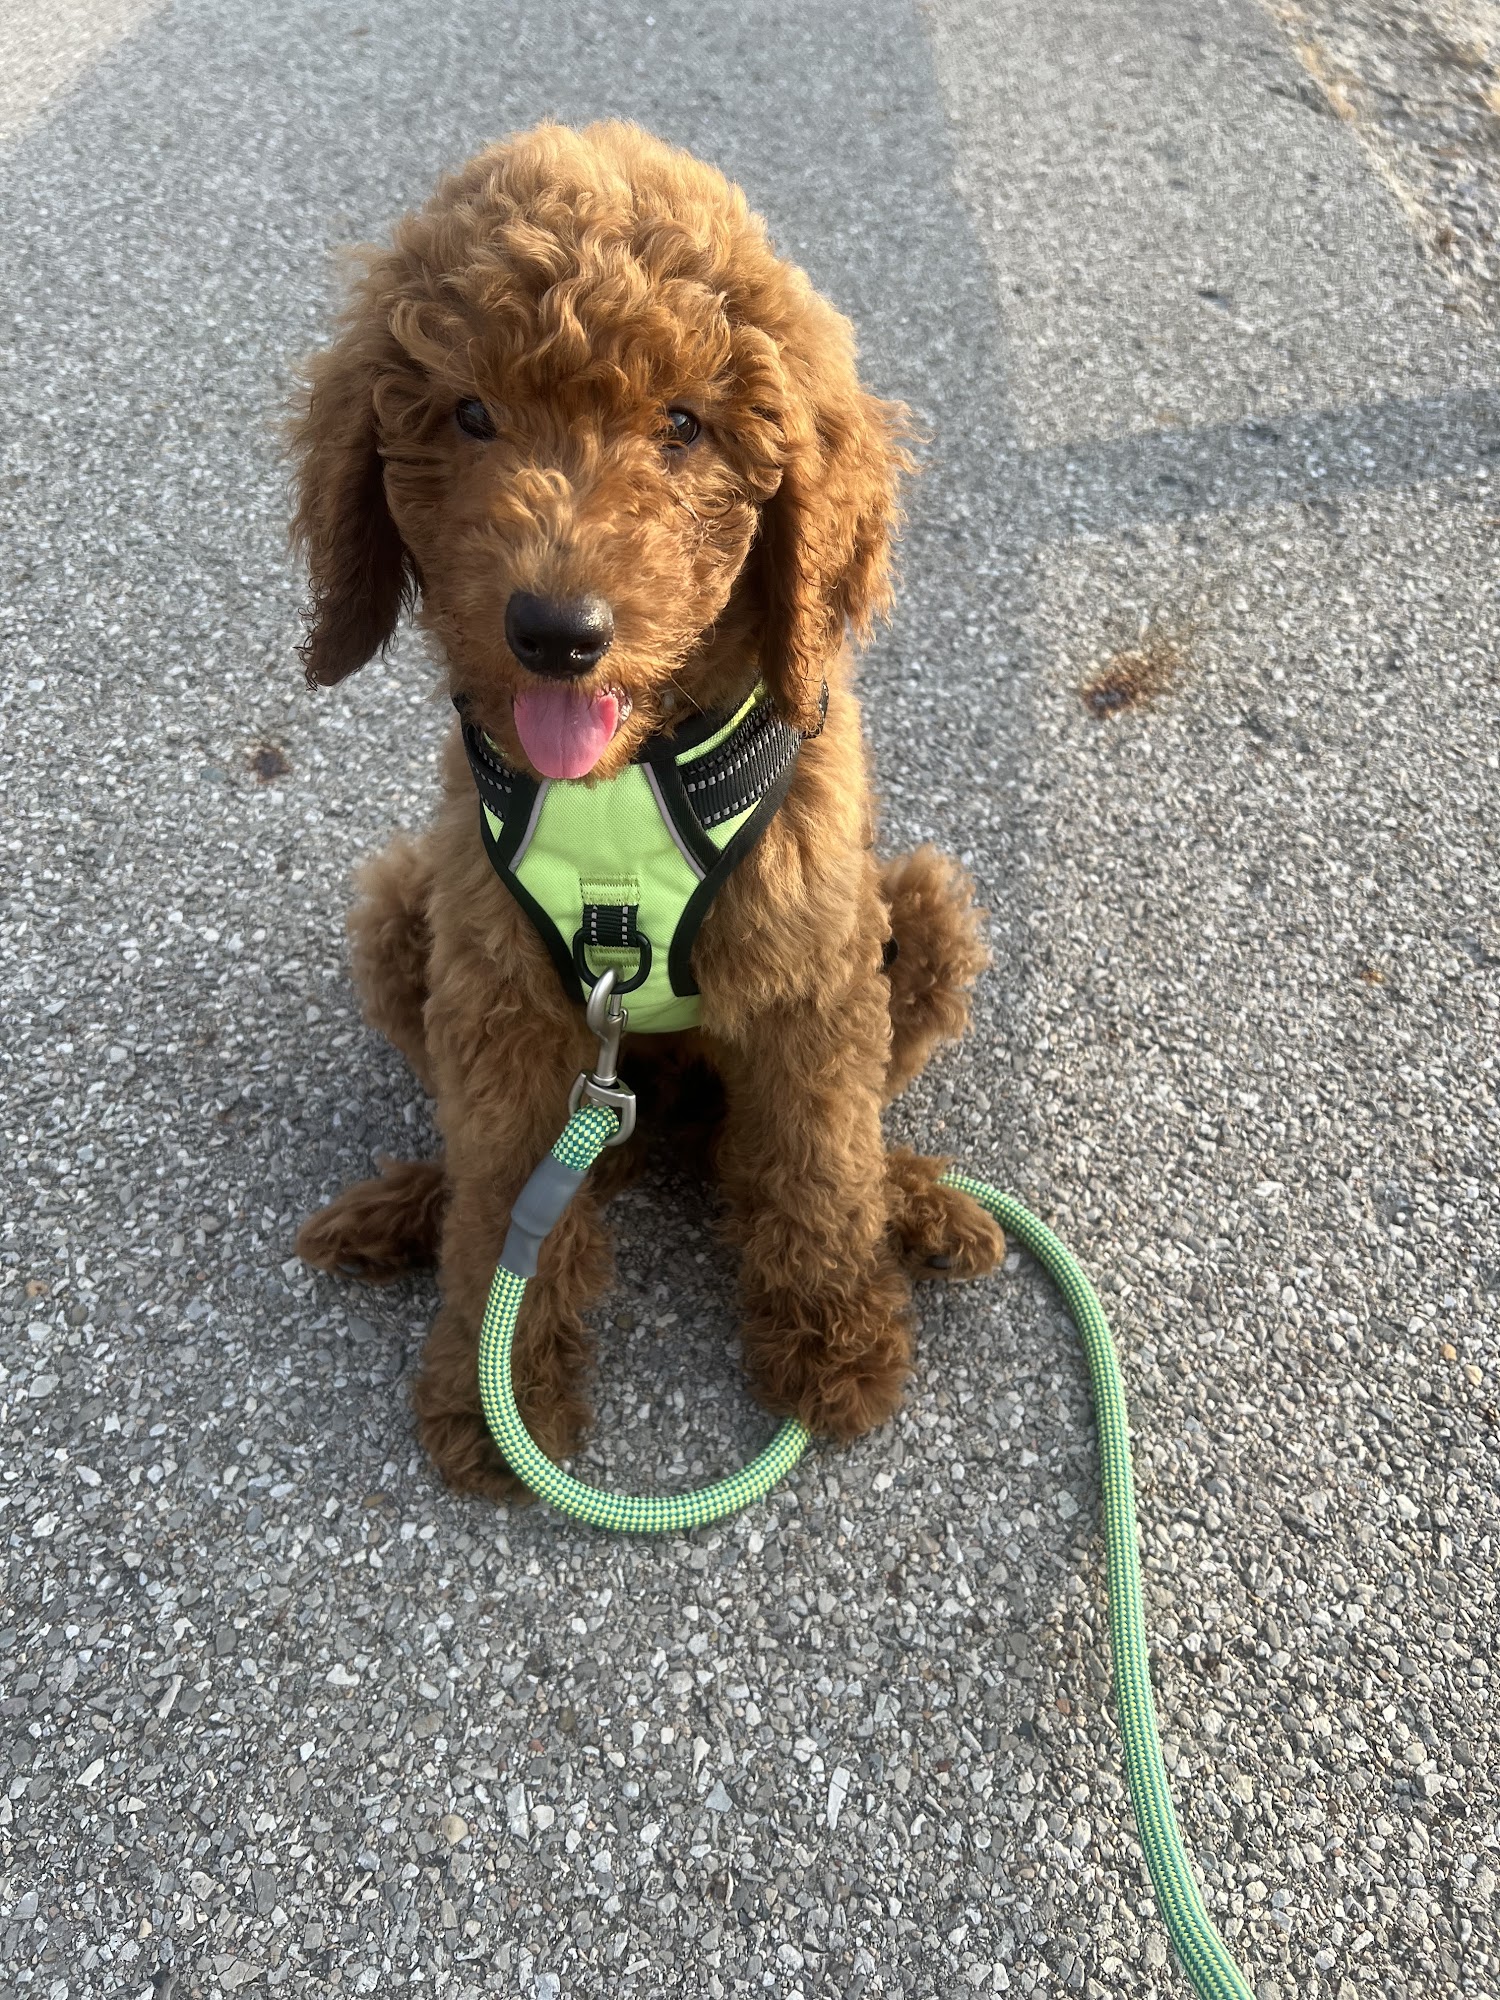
[[610, 445]]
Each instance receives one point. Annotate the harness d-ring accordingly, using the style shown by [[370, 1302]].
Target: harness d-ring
[[591, 978]]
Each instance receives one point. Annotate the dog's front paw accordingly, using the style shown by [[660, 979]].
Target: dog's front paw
[[450, 1418], [839, 1363], [845, 1400], [938, 1231], [459, 1444]]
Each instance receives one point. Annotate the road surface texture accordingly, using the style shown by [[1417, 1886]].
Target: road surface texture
[[1195, 664], [1420, 84]]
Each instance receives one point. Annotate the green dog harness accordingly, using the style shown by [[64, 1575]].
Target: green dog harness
[[620, 872]]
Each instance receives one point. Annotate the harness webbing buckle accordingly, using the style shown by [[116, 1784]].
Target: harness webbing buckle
[[607, 1018]]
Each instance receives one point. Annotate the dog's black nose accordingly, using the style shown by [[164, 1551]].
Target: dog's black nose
[[562, 636]]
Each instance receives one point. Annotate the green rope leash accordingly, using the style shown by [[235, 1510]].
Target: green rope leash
[[1205, 1958], [1210, 1970], [584, 1137]]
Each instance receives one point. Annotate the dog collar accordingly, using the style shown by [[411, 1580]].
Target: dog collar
[[621, 871]]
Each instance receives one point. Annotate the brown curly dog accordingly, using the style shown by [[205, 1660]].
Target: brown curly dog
[[582, 383]]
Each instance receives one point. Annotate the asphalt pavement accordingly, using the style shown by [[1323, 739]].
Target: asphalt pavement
[[1194, 664]]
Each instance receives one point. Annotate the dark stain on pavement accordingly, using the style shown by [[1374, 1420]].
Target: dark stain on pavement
[[1136, 675], [268, 763]]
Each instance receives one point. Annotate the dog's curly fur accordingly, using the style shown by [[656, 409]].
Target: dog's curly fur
[[578, 284]]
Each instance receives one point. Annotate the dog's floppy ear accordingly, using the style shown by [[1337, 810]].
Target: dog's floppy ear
[[825, 534], [360, 571]]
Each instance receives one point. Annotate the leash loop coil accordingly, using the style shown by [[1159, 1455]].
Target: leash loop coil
[[593, 1126], [590, 1129]]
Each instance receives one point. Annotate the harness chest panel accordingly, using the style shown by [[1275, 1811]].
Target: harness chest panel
[[621, 872]]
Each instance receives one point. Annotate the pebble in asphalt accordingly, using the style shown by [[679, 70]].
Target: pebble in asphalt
[[1195, 665]]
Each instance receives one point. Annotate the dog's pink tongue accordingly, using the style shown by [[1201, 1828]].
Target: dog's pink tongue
[[564, 731]]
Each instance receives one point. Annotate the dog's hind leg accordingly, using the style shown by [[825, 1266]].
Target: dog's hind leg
[[939, 955], [378, 1230], [392, 941]]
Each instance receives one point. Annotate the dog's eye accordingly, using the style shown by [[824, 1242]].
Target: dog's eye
[[680, 429], [473, 419]]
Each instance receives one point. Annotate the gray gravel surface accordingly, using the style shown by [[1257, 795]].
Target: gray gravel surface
[[1420, 86], [44, 50], [1195, 663]]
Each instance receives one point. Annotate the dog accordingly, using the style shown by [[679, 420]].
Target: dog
[[616, 456]]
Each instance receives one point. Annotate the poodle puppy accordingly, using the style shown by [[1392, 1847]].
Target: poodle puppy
[[615, 454]]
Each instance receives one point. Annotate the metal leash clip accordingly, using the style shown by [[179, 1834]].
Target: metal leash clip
[[607, 1018]]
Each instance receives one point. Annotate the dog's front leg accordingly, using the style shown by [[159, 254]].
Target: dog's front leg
[[501, 1107], [827, 1305]]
